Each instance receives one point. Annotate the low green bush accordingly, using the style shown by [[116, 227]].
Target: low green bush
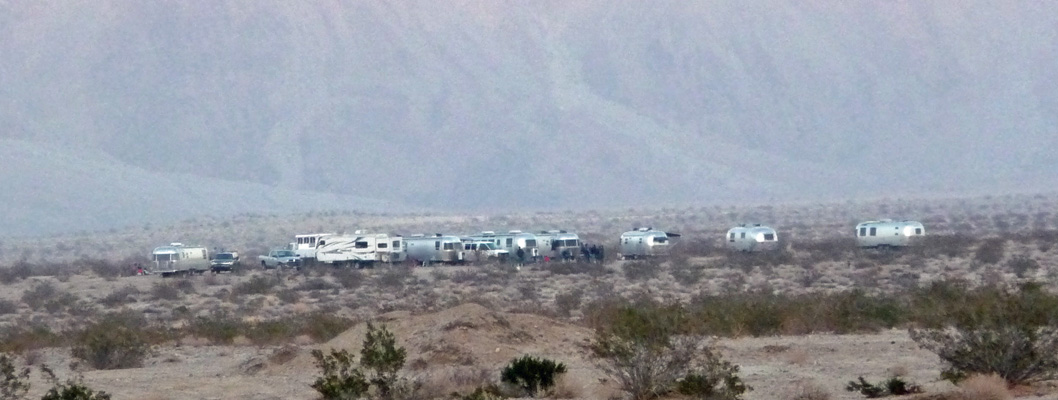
[[532, 375]]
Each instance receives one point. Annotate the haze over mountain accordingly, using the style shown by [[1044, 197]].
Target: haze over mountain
[[115, 113]]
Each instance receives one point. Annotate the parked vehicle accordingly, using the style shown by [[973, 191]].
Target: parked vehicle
[[483, 250], [361, 250], [280, 258], [559, 244], [512, 241], [754, 237], [888, 233], [447, 249], [645, 242], [224, 262], [178, 259]]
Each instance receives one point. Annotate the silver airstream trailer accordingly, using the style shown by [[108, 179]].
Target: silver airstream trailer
[[755, 237], [558, 244], [178, 259], [360, 249], [438, 248], [645, 242], [888, 233]]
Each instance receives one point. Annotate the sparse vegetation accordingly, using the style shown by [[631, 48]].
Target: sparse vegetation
[[532, 375], [380, 357], [894, 386], [114, 342], [14, 382], [70, 389]]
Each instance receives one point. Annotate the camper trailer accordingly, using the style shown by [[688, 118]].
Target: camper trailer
[[645, 242], [447, 249], [178, 259], [559, 244], [304, 246], [755, 237], [359, 249], [888, 233], [512, 241]]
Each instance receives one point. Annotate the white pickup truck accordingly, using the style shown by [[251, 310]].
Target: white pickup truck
[[280, 258]]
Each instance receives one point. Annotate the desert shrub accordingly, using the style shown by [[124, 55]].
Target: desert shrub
[[951, 246], [383, 359], [379, 356], [640, 350], [70, 389], [990, 251], [568, 301], [258, 284], [19, 271], [25, 336], [218, 327], [14, 383], [341, 379], [894, 386], [487, 392], [990, 330], [270, 332], [831, 249], [714, 379], [316, 284], [187, 286], [348, 278], [983, 387], [165, 291], [41, 293], [1022, 265], [686, 274], [394, 278], [464, 276], [532, 375], [288, 296], [8, 307], [641, 270], [697, 248], [114, 342], [322, 327], [107, 269], [573, 268], [120, 297]]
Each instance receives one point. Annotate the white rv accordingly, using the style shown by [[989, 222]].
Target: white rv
[[305, 245], [645, 242], [512, 241], [178, 259], [438, 248], [361, 250], [558, 244], [754, 237], [888, 233]]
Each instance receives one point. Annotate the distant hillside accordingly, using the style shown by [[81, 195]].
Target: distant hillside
[[521, 105]]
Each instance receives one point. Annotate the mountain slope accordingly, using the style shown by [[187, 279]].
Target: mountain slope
[[499, 105]]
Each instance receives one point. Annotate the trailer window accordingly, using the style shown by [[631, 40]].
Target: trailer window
[[383, 245], [437, 245], [361, 245], [396, 244], [918, 231], [732, 236], [530, 242], [660, 239], [161, 257], [510, 242], [769, 237], [450, 246], [863, 231], [743, 236], [874, 231]]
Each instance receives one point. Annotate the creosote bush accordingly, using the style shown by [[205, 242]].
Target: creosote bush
[[646, 353], [70, 389], [894, 386], [532, 375], [382, 360], [1014, 334], [114, 342], [14, 383]]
